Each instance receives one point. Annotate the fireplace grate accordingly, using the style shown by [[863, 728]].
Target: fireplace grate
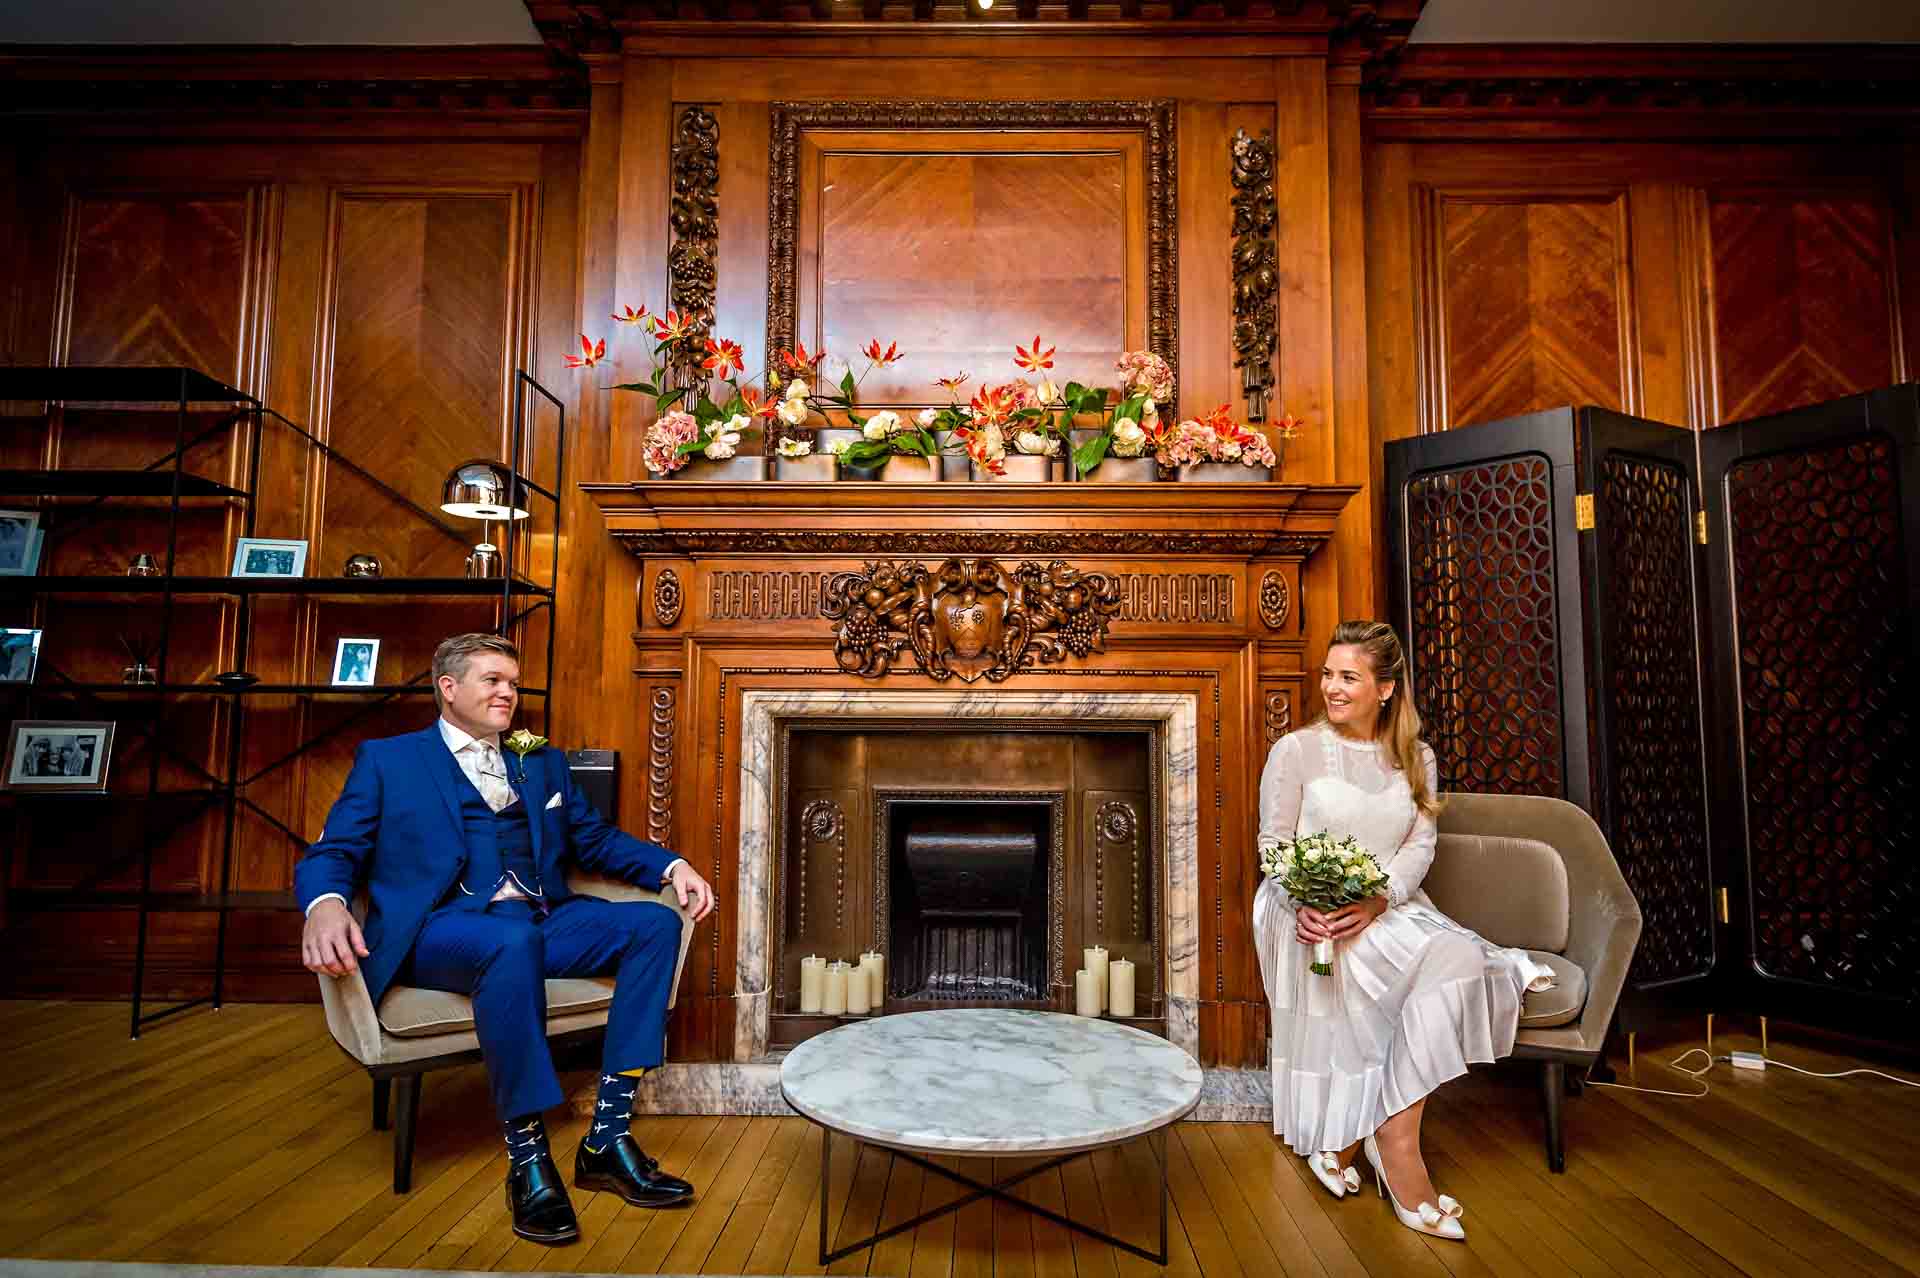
[[972, 956]]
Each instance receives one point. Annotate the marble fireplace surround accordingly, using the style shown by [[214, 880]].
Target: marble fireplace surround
[[1175, 714]]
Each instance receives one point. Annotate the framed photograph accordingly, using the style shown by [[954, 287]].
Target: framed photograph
[[55, 755], [19, 654], [269, 557], [19, 543], [354, 663]]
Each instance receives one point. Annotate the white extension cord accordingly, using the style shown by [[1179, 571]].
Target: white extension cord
[[1742, 1060]]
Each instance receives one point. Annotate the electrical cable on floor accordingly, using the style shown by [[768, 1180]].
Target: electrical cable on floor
[[1752, 1060]]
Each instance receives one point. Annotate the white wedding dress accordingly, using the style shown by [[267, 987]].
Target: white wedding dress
[[1414, 998]]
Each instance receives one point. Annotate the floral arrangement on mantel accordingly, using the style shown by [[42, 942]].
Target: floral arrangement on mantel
[[712, 415]]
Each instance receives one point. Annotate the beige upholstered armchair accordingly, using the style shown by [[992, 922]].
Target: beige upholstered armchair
[[1536, 874], [416, 1030]]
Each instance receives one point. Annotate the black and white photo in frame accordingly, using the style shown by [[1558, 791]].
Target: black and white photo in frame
[[354, 662], [269, 557], [58, 754], [19, 654], [19, 542]]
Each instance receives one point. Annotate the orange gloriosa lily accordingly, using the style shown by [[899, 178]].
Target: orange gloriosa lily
[[882, 358], [992, 405], [756, 406], [723, 357], [627, 315], [1033, 359], [591, 353], [952, 385], [671, 327]]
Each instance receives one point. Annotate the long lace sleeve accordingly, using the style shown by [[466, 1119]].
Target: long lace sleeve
[[1280, 783], [1415, 854]]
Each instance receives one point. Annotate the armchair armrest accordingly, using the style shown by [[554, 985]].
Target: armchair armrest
[[350, 1016], [588, 883]]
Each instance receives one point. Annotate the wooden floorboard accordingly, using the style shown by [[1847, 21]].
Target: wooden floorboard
[[243, 1137]]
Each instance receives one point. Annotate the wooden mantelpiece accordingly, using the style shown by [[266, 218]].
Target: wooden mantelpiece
[[1230, 521], [736, 596]]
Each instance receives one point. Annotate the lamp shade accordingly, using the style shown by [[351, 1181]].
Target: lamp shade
[[483, 489]]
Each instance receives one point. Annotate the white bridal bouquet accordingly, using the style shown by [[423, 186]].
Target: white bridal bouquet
[[1324, 873]]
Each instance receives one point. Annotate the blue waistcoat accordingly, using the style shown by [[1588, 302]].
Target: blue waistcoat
[[498, 844]]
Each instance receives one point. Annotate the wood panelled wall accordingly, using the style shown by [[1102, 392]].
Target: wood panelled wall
[[380, 293]]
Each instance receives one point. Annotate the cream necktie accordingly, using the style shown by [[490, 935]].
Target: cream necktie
[[490, 777]]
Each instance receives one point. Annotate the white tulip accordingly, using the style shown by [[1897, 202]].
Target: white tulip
[[874, 430], [738, 424], [926, 417], [797, 388], [1149, 413], [882, 425], [1047, 391]]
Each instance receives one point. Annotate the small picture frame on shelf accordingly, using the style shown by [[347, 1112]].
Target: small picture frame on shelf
[[269, 557], [63, 756], [19, 543], [19, 654], [354, 663]]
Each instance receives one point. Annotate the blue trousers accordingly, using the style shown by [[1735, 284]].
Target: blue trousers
[[501, 957]]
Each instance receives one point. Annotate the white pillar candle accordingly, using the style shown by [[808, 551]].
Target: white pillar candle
[[813, 983], [857, 987], [836, 995], [1096, 959], [874, 965], [1120, 987], [1086, 993]]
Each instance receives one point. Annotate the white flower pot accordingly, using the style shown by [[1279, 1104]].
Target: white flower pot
[[1224, 473], [906, 468], [1022, 468], [734, 470], [814, 467]]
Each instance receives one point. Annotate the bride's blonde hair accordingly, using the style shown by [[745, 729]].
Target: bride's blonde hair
[[1399, 728]]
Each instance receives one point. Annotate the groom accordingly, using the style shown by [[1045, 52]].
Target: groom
[[463, 853]]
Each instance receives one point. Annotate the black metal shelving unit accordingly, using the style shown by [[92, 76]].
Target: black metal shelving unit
[[163, 811]]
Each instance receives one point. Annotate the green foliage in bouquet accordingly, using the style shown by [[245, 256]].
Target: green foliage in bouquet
[[1323, 873]]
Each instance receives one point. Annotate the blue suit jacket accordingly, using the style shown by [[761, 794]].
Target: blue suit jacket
[[396, 829]]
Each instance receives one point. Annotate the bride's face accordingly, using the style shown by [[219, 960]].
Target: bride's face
[[1349, 690]]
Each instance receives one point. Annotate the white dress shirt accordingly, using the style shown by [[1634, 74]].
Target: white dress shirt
[[481, 761]]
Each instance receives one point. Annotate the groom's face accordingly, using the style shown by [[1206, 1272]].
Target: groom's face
[[482, 700]]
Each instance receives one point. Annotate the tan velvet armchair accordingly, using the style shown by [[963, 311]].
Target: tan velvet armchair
[[415, 1030], [1536, 874]]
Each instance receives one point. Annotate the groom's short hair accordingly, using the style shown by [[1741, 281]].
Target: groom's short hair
[[454, 655]]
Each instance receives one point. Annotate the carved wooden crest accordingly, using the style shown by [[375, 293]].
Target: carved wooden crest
[[968, 618]]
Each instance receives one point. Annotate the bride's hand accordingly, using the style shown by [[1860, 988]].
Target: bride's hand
[[1350, 921], [1310, 925]]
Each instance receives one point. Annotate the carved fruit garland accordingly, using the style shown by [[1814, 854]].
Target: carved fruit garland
[[969, 618]]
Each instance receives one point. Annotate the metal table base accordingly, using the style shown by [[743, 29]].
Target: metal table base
[[997, 1190]]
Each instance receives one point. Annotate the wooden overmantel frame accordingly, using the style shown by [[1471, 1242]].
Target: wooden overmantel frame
[[1231, 521]]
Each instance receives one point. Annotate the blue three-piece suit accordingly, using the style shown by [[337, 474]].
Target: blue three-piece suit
[[430, 852]]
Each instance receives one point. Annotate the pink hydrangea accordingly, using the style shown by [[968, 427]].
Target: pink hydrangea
[[1145, 371], [663, 440]]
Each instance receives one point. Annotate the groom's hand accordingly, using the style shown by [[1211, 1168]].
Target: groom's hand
[[331, 939], [695, 894]]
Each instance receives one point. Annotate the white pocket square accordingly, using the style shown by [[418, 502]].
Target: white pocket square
[[553, 803]]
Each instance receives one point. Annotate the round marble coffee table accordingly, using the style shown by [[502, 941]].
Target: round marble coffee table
[[981, 1082]]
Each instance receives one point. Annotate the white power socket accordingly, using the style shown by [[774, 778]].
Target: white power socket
[[1749, 1060]]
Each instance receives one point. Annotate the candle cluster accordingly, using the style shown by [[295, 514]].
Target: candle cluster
[[838, 988], [1103, 986]]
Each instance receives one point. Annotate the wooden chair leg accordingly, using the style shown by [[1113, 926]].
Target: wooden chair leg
[[408, 1111], [382, 1090], [1553, 1082]]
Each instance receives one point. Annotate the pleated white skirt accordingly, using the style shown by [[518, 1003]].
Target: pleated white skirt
[[1411, 1002]]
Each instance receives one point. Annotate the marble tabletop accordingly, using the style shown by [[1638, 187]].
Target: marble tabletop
[[990, 1081]]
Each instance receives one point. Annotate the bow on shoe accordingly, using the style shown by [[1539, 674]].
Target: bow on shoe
[[1450, 1207]]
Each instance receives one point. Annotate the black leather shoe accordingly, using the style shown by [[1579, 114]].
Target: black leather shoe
[[538, 1199], [624, 1168]]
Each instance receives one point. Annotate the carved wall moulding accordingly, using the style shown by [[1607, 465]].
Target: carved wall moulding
[[822, 821], [1275, 602], [1278, 714], [693, 260], [652, 543], [1176, 596], [968, 618], [1154, 119], [749, 595], [1256, 272], [667, 598], [660, 765]]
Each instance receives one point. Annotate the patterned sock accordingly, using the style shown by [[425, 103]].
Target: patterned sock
[[613, 1110], [526, 1137]]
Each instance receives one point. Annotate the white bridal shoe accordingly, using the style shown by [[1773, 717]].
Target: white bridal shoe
[[1441, 1222], [1326, 1168]]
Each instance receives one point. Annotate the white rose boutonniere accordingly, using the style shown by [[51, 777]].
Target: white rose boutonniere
[[523, 743]]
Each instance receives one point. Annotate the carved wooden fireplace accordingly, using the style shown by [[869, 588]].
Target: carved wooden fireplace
[[977, 727]]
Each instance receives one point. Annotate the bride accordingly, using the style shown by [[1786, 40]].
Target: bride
[[1414, 997]]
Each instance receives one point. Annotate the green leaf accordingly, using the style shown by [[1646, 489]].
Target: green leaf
[[671, 398], [1072, 394], [645, 388], [1090, 454], [868, 452], [691, 446], [847, 385]]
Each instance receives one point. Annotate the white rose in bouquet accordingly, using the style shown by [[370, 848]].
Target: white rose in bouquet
[[884, 424], [1128, 439]]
